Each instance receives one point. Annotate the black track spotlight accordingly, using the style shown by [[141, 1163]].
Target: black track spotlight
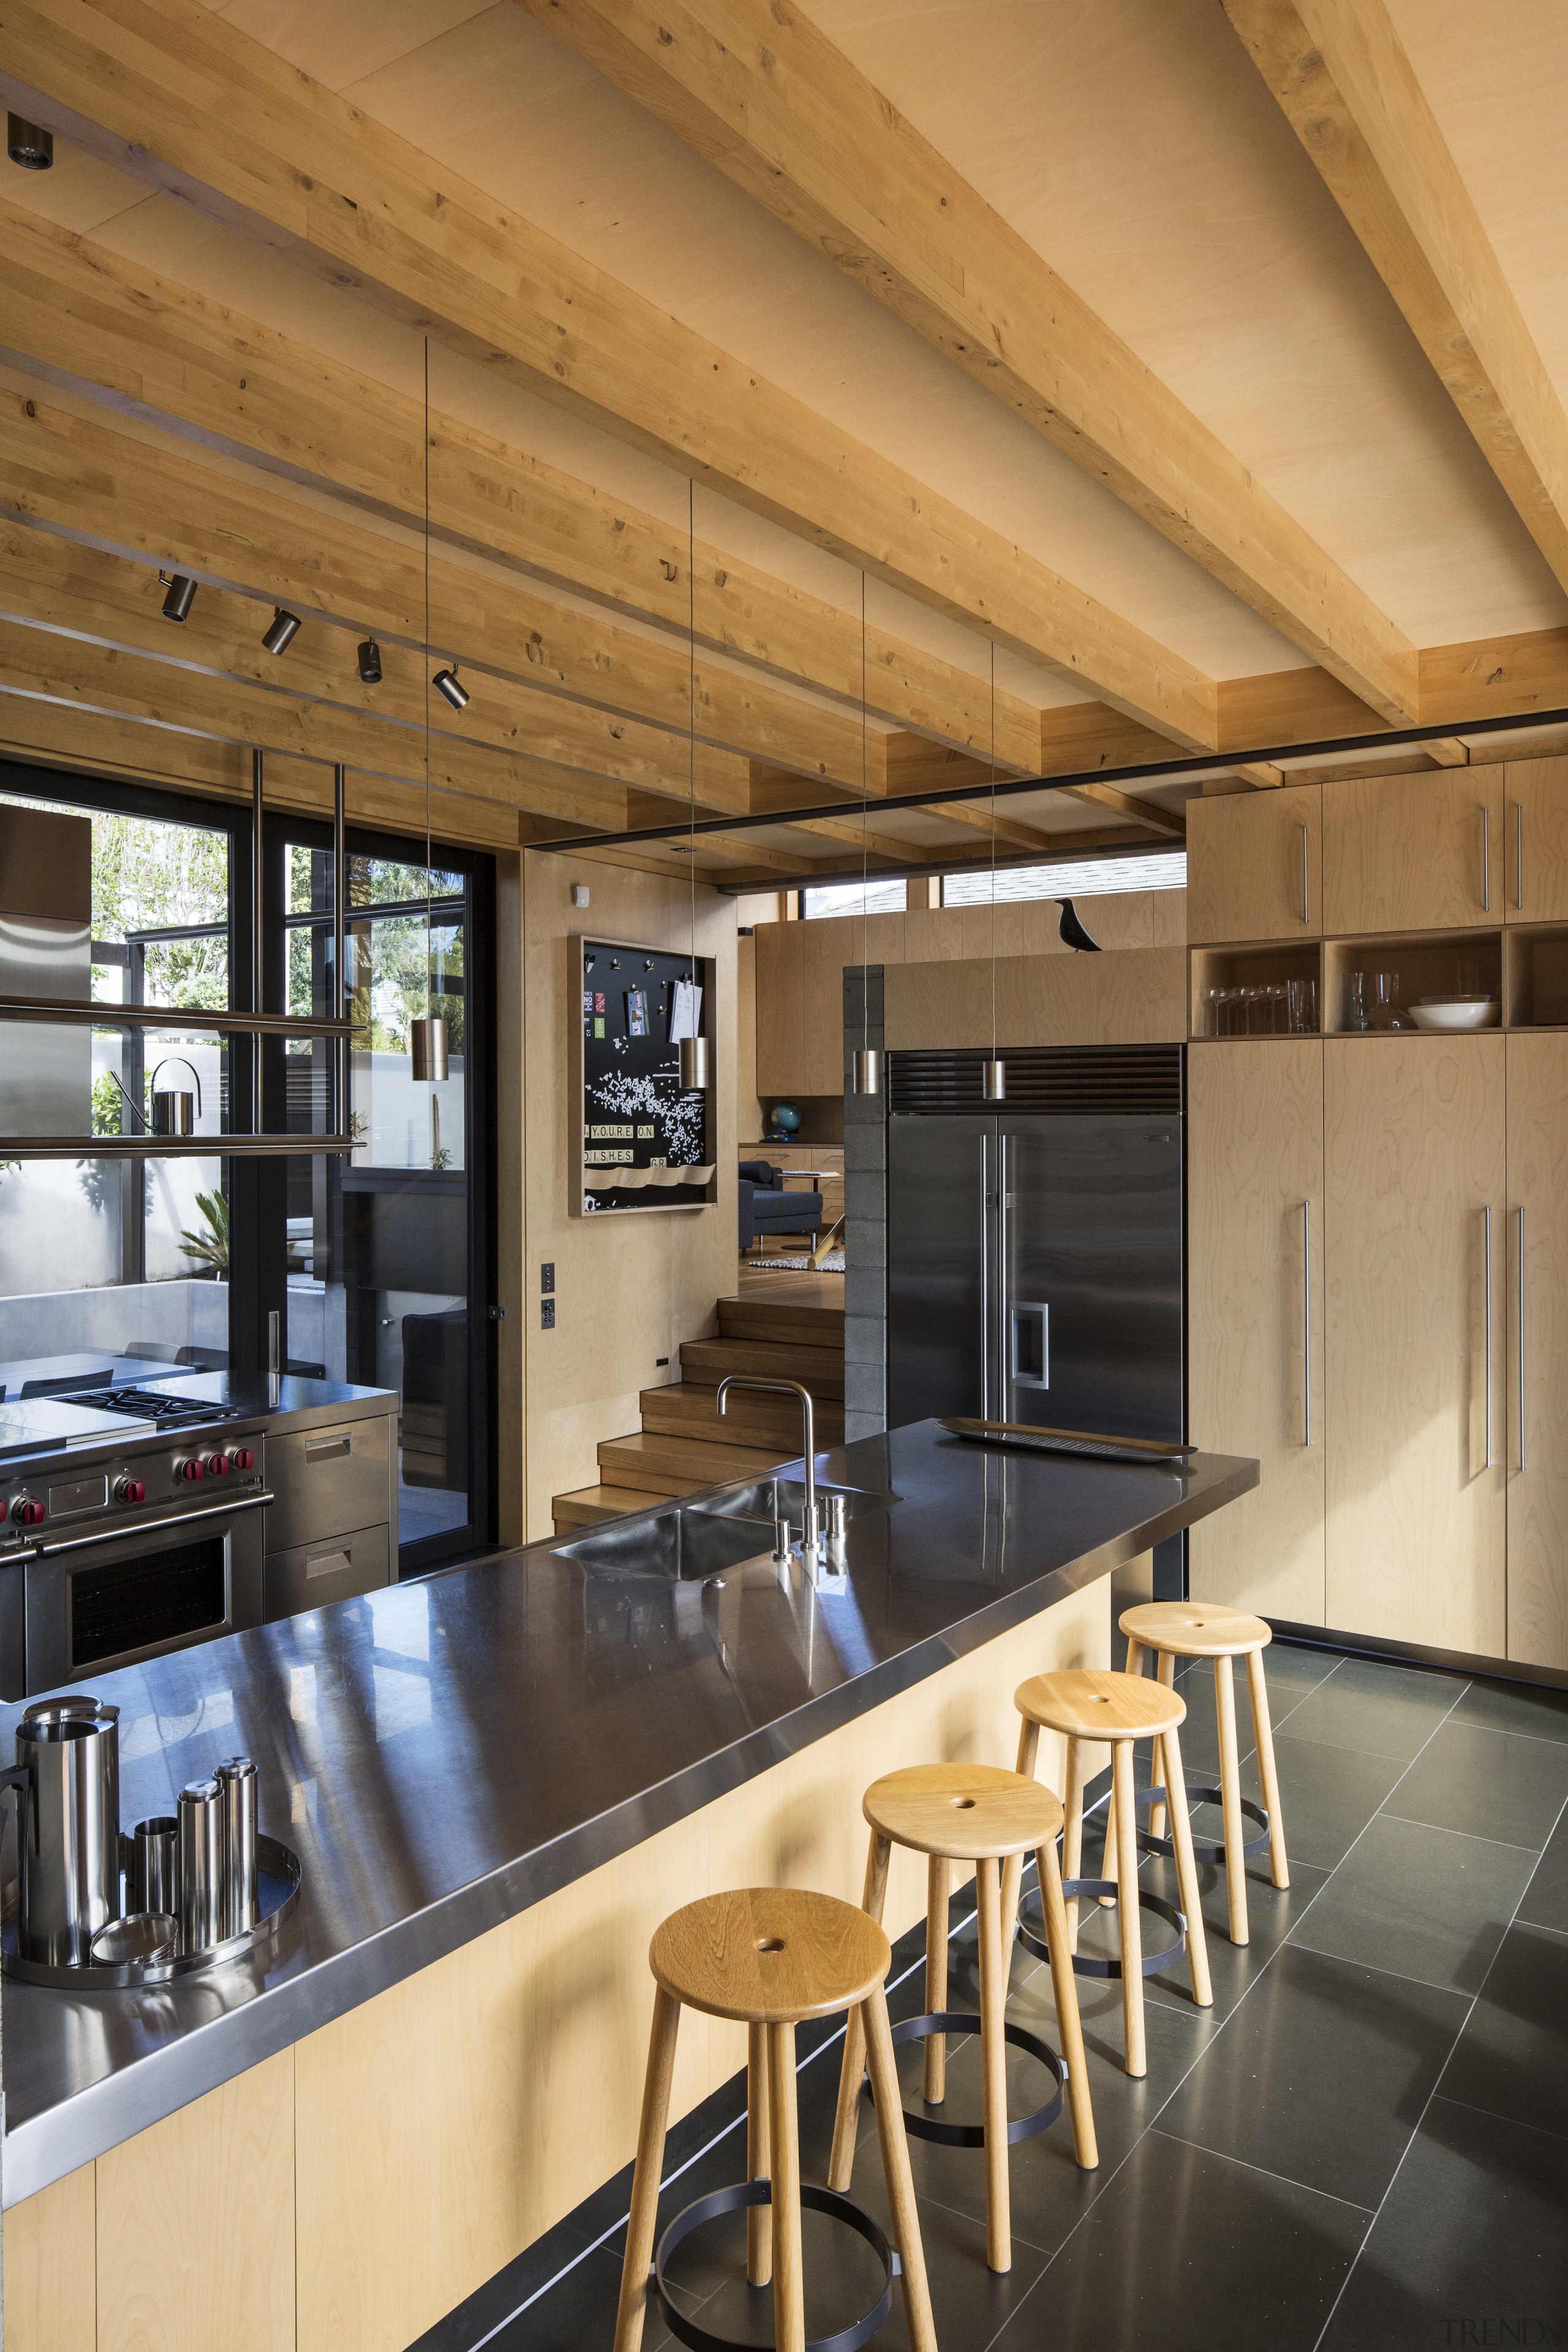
[[369, 662], [281, 632], [29, 144], [1071, 932], [446, 685], [182, 595]]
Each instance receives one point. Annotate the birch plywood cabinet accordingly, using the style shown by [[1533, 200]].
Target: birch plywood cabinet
[[1536, 847], [1416, 853], [1413, 1176], [1255, 1189], [1537, 1350], [1255, 865]]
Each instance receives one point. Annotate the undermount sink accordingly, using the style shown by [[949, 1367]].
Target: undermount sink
[[772, 1498], [688, 1542], [682, 1545]]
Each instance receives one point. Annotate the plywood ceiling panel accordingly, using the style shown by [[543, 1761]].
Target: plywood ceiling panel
[[1133, 144], [497, 98]]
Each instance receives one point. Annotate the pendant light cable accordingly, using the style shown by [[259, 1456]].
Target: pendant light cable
[[429, 1001], [865, 914], [692, 696], [994, 850]]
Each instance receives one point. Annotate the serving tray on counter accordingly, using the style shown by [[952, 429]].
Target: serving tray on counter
[[1084, 1443], [278, 1874]]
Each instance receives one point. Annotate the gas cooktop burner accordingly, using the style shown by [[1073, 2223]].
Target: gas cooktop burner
[[153, 1405]]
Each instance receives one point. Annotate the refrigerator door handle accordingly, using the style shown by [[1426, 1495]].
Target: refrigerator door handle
[[1028, 1344]]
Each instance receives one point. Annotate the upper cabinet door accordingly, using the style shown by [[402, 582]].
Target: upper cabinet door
[[1255, 865], [1419, 853], [1535, 856]]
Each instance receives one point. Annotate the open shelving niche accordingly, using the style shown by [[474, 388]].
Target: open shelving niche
[[1526, 966]]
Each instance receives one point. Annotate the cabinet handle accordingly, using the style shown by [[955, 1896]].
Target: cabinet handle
[[1307, 1321], [1487, 1310], [1518, 855], [1518, 1326], [1486, 867], [1306, 874]]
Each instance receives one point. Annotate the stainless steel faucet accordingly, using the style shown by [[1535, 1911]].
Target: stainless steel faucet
[[810, 1546]]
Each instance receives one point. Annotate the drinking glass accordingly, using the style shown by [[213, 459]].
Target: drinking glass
[[1214, 1005], [1303, 997], [1469, 977], [1386, 1002], [1356, 1001]]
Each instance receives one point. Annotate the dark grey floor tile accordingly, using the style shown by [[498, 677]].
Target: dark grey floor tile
[[1321, 2074], [578, 2310], [1049, 2193], [1420, 1902], [535, 2273], [1293, 1668], [1490, 1784], [1327, 1795], [1545, 1903], [1529, 1708], [1382, 1710], [1270, 1913], [1469, 2247], [1512, 2057], [1187, 2251]]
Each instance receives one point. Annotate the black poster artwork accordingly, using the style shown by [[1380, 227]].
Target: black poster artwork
[[647, 1143]]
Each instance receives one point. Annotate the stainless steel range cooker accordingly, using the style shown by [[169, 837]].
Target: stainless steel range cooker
[[140, 1518]]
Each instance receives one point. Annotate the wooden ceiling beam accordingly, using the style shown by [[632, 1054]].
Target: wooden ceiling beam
[[76, 312], [1340, 73], [185, 101], [76, 673], [758, 89]]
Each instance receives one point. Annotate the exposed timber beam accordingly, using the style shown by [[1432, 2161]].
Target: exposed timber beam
[[1341, 75], [185, 101], [76, 313], [758, 90]]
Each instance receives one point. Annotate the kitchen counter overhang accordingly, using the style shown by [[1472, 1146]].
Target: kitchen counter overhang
[[445, 1753]]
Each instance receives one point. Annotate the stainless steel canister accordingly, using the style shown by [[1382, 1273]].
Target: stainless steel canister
[[202, 1919], [155, 1865], [236, 1778], [67, 1827]]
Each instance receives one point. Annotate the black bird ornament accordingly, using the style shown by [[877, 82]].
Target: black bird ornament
[[1071, 931]]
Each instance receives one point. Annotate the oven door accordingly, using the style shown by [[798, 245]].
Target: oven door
[[96, 1602]]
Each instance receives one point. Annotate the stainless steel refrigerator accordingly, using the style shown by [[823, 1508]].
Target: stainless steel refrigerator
[[1035, 1254]]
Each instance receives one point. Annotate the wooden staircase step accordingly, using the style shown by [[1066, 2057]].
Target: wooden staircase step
[[589, 1505], [687, 1409], [820, 1369], [763, 1319], [682, 1466]]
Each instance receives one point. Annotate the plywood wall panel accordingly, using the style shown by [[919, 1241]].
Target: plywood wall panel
[[51, 2268]]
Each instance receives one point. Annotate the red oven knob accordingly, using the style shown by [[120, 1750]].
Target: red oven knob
[[189, 1468], [129, 1490], [243, 1458], [28, 1512], [216, 1464]]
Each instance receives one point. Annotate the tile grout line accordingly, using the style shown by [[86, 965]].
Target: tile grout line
[[1285, 2180], [1432, 2093], [1444, 1828], [1153, 2121]]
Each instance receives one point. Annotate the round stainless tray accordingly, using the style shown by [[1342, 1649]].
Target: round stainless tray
[[278, 1872]]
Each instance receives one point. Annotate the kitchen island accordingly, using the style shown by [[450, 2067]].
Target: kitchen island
[[499, 1779]]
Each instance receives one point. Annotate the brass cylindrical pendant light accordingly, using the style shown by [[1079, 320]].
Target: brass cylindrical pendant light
[[427, 1048], [867, 1070], [693, 1065], [993, 1081]]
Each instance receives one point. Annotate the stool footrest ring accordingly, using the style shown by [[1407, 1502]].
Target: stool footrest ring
[[761, 2192], [950, 2020], [1150, 1843], [1084, 1964]]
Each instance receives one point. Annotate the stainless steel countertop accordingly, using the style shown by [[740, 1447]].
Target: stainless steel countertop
[[445, 1753]]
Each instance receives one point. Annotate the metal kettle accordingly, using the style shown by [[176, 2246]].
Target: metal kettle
[[66, 1779], [172, 1114]]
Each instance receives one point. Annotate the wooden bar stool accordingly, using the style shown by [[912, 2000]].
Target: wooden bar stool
[[972, 1813], [770, 1956], [1192, 1629], [1083, 1705]]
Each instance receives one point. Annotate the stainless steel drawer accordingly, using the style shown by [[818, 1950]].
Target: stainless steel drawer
[[327, 1482], [334, 1568]]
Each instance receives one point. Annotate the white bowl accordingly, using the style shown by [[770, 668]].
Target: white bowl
[[1456, 1012]]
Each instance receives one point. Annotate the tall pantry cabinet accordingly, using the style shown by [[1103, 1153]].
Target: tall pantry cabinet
[[1378, 1242]]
